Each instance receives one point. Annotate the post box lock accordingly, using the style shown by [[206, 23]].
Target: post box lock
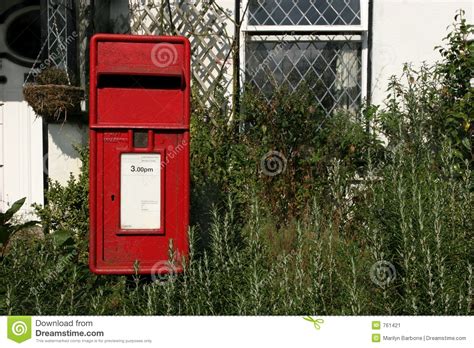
[[139, 152]]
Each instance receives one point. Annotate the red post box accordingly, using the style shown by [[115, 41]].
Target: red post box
[[139, 153]]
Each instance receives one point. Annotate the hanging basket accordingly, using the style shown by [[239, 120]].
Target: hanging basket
[[54, 102]]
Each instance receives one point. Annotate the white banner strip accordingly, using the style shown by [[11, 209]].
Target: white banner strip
[[311, 331]]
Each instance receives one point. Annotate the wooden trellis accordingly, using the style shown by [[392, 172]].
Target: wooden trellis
[[206, 25]]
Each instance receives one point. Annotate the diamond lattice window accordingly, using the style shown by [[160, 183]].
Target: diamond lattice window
[[329, 65], [304, 12], [327, 59]]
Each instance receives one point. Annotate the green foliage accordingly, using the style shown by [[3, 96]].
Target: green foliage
[[457, 98], [289, 124], [8, 227], [415, 212], [436, 101], [220, 165], [231, 156], [411, 218], [293, 124]]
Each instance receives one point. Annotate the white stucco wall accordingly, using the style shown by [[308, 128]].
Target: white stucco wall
[[407, 31], [63, 158], [21, 150]]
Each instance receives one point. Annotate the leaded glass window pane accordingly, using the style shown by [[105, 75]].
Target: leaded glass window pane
[[304, 12], [329, 65]]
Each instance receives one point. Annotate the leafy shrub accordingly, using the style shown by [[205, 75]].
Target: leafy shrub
[[281, 135], [219, 163], [436, 101], [67, 207], [289, 131], [455, 72], [8, 228]]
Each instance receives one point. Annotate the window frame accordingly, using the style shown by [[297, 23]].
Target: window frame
[[362, 29]]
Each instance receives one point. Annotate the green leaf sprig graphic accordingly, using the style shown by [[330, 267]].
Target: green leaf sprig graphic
[[316, 322]]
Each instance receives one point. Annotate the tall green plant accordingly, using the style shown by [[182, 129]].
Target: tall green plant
[[455, 71], [8, 228]]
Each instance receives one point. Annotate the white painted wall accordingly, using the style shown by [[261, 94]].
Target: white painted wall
[[21, 147], [407, 31], [63, 158]]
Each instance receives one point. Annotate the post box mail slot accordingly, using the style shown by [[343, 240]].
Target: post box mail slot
[[139, 153]]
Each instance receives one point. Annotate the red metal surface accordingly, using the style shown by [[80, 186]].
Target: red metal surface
[[138, 83]]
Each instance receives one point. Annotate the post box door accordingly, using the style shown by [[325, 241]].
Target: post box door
[[143, 195]]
